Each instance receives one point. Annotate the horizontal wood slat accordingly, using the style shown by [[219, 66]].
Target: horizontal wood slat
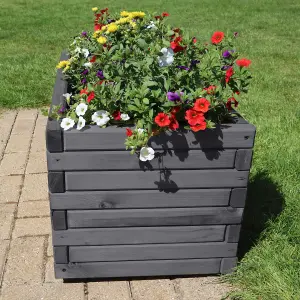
[[151, 252], [139, 199], [112, 138], [138, 268], [122, 160], [138, 235], [154, 217], [127, 180]]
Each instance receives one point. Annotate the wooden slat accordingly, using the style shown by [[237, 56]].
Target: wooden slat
[[114, 180], [122, 160], [228, 264], [232, 233], [138, 268], [58, 219], [56, 182], [243, 159], [138, 235], [151, 252], [112, 138], [238, 197], [154, 217], [61, 254], [139, 199]]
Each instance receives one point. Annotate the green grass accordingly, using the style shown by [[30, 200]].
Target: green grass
[[33, 33]]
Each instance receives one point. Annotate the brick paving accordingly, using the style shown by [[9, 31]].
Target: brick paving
[[26, 256]]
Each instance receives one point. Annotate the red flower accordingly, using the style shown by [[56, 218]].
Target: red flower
[[93, 59], [237, 92], [165, 14], [231, 101], [97, 17], [162, 119], [175, 45], [177, 30], [194, 40], [228, 74], [157, 17], [97, 27], [175, 110], [91, 97], [84, 91], [129, 132], [217, 37], [201, 105], [174, 124], [211, 89], [117, 115], [194, 117], [200, 126], [243, 62], [104, 10]]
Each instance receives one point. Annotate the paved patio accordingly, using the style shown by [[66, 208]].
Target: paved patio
[[26, 256]]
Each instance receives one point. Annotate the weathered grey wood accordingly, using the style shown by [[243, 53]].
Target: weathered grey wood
[[228, 264], [56, 182], [139, 199], [138, 235], [122, 160], [112, 138], [232, 233], [154, 217], [238, 197], [138, 268], [243, 159], [59, 221], [151, 252], [114, 180], [60, 254]]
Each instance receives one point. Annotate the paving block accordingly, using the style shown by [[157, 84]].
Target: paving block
[[50, 246], [36, 163], [10, 188], [33, 209], [18, 143], [201, 288], [35, 187], [13, 164], [6, 220], [46, 291], [3, 253], [161, 289], [30, 114], [24, 262], [108, 290], [39, 143], [31, 226], [49, 272]]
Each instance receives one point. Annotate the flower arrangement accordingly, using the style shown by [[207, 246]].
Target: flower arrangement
[[134, 69]]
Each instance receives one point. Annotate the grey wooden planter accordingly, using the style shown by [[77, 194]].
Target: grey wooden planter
[[114, 216]]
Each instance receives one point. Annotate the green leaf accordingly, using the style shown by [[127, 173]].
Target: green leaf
[[151, 113], [132, 107], [146, 101], [137, 102], [142, 43], [170, 32], [150, 83]]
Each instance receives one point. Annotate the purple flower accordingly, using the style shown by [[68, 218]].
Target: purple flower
[[226, 54], [225, 68], [85, 72], [173, 96], [110, 21], [183, 68], [194, 62], [84, 33], [61, 110], [83, 81], [100, 74], [235, 34]]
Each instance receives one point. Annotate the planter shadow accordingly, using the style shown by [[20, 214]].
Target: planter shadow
[[264, 202]]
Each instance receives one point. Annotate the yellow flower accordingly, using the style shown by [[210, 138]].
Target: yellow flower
[[133, 24], [63, 64], [66, 68], [102, 40], [112, 27], [137, 14], [96, 34], [124, 13], [94, 9], [122, 21]]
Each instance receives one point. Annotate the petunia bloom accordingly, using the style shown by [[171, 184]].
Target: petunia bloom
[[194, 117], [100, 74], [200, 126], [243, 62], [85, 72], [129, 132], [226, 54], [125, 117], [217, 37], [211, 89], [231, 101], [173, 96], [167, 58], [175, 45], [174, 123], [201, 105], [81, 123], [90, 97], [183, 68], [116, 115], [228, 74], [67, 123], [100, 117], [165, 14], [146, 153], [162, 119]]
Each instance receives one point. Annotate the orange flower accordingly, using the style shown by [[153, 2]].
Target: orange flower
[[200, 126], [217, 37], [202, 105], [194, 117], [243, 62]]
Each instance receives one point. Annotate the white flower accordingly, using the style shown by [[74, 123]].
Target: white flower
[[167, 58], [151, 25], [67, 96], [88, 64], [77, 50], [140, 130], [125, 117], [81, 109], [147, 153], [67, 123], [85, 52], [100, 117], [81, 123]]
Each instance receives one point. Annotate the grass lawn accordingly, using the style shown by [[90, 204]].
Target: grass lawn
[[33, 33]]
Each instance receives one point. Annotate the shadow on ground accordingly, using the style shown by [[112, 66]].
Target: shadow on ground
[[264, 202]]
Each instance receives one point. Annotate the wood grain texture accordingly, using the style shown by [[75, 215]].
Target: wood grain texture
[[139, 199], [138, 268], [228, 264], [61, 254], [112, 138], [152, 252], [167, 179], [238, 197], [232, 233], [122, 160], [56, 182], [59, 220], [138, 235], [243, 159], [154, 217]]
